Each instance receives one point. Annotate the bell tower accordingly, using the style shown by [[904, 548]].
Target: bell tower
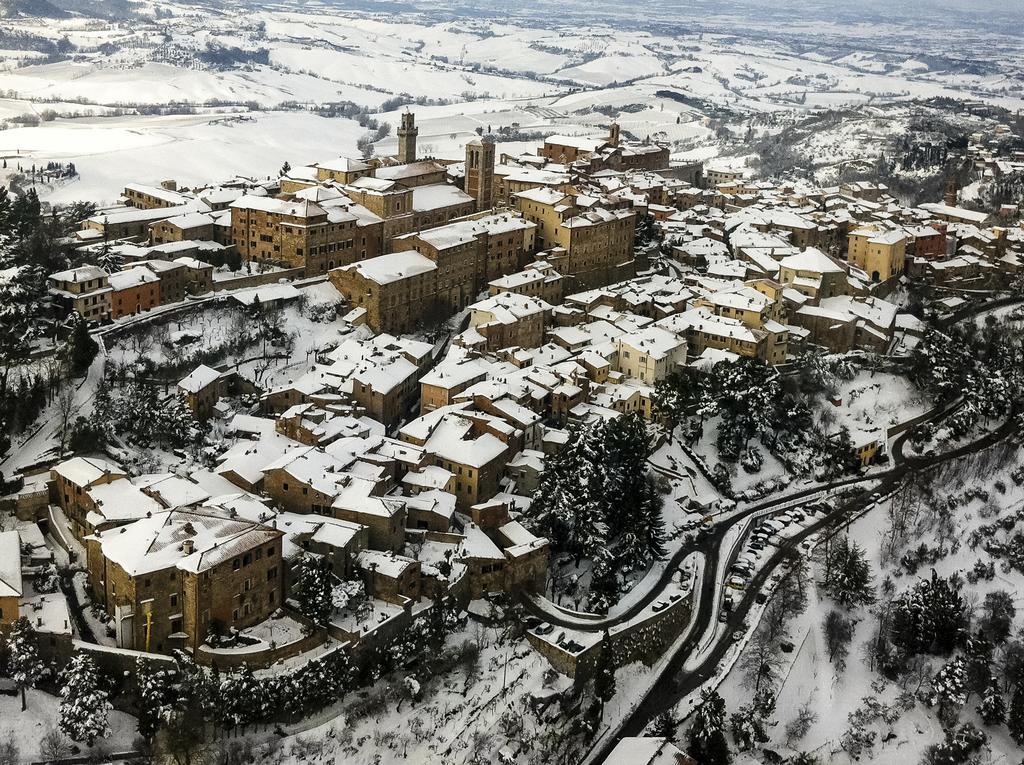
[[407, 133], [613, 135], [480, 172]]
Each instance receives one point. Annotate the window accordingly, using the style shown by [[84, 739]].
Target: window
[[234, 615], [247, 559], [271, 573], [271, 597], [248, 584], [174, 600], [147, 582], [236, 564], [270, 552]]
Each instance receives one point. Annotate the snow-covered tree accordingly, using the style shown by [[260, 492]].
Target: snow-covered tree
[[931, 617], [194, 702], [748, 728], [959, 748], [848, 578], [949, 689], [314, 590], [992, 707], [604, 673], [1015, 717], [707, 735], [665, 726], [998, 613], [838, 634], [243, 699], [346, 592], [84, 706], [154, 694], [23, 662]]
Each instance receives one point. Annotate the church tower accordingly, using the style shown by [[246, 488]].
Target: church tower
[[407, 139], [952, 192], [480, 172], [613, 135]]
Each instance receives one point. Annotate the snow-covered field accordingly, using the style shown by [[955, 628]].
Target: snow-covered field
[[250, 76]]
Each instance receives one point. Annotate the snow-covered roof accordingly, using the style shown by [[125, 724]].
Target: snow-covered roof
[[132, 277], [641, 750], [813, 260], [199, 378], [385, 269], [80, 274], [435, 196], [82, 471], [581, 143], [189, 540], [410, 170], [296, 209], [10, 565]]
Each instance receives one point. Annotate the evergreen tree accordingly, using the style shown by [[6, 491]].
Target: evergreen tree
[[194, 701], [154, 694], [665, 726], [748, 728], [931, 617], [998, 613], [949, 689], [81, 348], [960, 746], [1015, 717], [707, 735], [604, 673], [84, 706], [978, 658], [848, 579], [992, 707], [314, 588], [23, 662]]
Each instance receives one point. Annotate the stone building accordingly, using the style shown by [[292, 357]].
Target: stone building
[[174, 278], [395, 293], [11, 588], [133, 290], [508, 320], [592, 248], [154, 197], [170, 579], [181, 228], [85, 289], [299, 234], [202, 389], [72, 480], [879, 253]]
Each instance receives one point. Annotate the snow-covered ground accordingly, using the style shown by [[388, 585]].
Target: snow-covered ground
[[469, 73], [984, 491], [28, 728]]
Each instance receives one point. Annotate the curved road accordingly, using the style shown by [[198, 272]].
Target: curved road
[[675, 684]]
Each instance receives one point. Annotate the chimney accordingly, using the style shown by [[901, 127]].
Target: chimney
[[189, 546]]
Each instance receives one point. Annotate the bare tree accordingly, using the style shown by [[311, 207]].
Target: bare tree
[[760, 664], [65, 410], [54, 745], [800, 725]]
